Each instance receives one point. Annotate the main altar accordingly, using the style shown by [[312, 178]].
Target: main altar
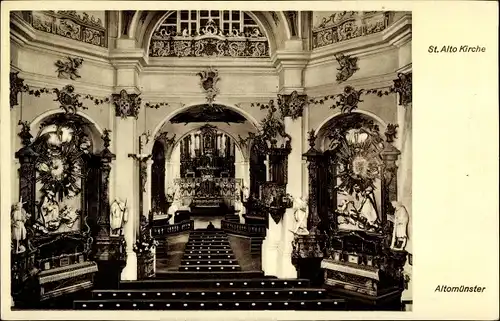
[[207, 171]]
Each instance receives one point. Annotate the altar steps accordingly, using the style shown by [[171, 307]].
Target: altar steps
[[208, 243], [200, 275], [216, 282], [259, 304], [205, 286]]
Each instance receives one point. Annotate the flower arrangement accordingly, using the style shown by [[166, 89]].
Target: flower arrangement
[[144, 246], [145, 243]]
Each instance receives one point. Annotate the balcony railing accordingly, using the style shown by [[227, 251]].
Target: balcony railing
[[163, 230], [243, 229]]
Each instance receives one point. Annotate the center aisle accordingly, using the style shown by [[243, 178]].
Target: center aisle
[[210, 278]]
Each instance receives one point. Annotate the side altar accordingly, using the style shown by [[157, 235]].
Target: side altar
[[356, 229]]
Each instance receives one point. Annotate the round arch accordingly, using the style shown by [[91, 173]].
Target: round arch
[[158, 127], [325, 122]]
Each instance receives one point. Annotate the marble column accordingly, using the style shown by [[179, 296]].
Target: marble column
[[294, 188], [126, 139], [404, 173], [270, 247], [290, 63]]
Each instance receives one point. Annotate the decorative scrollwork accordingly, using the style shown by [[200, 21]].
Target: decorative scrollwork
[[69, 24], [68, 99], [85, 18], [349, 99], [69, 69], [345, 25]]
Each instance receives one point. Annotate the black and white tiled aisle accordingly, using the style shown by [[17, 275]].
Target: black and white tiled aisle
[[210, 278]]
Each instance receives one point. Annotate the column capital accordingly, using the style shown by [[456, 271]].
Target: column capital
[[126, 105], [403, 86], [292, 105]]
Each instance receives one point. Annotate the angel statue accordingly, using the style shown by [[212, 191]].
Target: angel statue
[[239, 208], [300, 214], [246, 193], [118, 216], [176, 204], [19, 217], [400, 219]]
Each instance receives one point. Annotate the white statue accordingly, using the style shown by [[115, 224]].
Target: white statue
[[400, 219], [19, 218], [118, 216], [300, 214], [176, 204], [367, 210], [246, 193], [238, 208]]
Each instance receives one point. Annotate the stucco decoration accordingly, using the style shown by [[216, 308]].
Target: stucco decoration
[[69, 69], [208, 82], [347, 67], [345, 25], [74, 25]]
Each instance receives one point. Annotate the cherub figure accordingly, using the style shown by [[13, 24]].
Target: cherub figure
[[347, 67], [69, 69]]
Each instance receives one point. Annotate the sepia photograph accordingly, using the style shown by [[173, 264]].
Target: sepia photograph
[[211, 159], [242, 160]]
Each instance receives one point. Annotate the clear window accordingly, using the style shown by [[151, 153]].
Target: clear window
[[190, 22]]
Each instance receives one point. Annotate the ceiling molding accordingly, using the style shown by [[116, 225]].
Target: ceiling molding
[[391, 38]]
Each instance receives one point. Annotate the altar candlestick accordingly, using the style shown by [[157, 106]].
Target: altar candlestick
[[191, 143], [223, 144]]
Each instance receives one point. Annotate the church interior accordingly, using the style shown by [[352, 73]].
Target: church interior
[[211, 160]]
